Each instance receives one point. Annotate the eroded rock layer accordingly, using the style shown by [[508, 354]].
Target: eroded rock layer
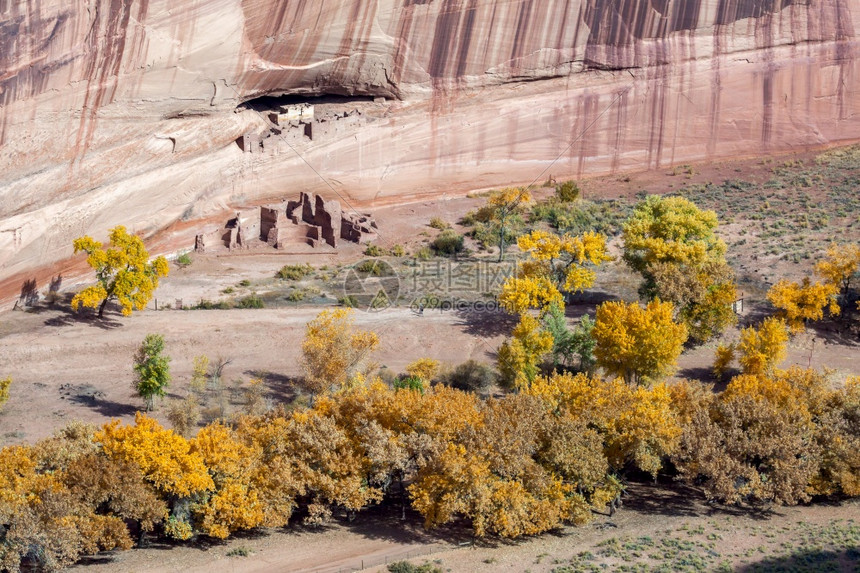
[[129, 111]]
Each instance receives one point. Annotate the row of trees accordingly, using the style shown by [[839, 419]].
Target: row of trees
[[511, 466], [687, 286]]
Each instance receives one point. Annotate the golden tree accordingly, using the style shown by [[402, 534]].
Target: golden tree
[[123, 271], [761, 350], [637, 424], [556, 263], [672, 244], [640, 344], [839, 439], [165, 459], [519, 358], [723, 357], [235, 503], [798, 303], [334, 353], [840, 265], [424, 368], [703, 294], [670, 229]]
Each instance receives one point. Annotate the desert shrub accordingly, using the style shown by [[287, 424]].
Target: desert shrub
[[240, 551], [296, 296], [184, 414], [374, 268], [470, 376], [449, 242], [294, 272], [184, 259], [206, 304], [407, 567], [387, 375], [4, 391], [483, 214], [398, 251], [489, 234], [244, 283], [567, 191], [439, 223], [348, 301], [251, 301], [374, 251], [424, 254]]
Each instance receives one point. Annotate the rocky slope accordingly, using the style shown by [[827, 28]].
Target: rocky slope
[[128, 111]]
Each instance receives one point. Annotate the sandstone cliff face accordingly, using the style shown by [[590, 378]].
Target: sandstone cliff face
[[125, 111]]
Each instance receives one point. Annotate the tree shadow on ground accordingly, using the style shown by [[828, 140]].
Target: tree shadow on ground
[[754, 313], [811, 560], [104, 407], [487, 323], [590, 298], [675, 499], [281, 388], [832, 331], [65, 316], [672, 499], [383, 522], [700, 373]]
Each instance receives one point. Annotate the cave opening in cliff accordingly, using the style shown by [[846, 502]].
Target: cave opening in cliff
[[273, 102]]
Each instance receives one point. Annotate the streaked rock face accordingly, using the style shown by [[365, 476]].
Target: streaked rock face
[[125, 111]]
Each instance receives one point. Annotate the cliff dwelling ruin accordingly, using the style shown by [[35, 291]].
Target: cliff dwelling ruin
[[310, 221], [291, 122]]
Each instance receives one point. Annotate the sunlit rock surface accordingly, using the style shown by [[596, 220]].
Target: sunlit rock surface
[[128, 111]]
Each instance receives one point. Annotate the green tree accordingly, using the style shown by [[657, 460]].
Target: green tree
[[123, 272], [569, 345], [506, 205], [152, 368]]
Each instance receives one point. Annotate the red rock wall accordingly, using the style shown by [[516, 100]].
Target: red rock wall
[[122, 111]]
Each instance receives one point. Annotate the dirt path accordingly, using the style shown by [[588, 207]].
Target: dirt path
[[666, 525]]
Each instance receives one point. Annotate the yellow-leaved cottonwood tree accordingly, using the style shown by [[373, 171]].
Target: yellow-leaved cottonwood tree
[[123, 271], [555, 263], [673, 245], [640, 344], [334, 352]]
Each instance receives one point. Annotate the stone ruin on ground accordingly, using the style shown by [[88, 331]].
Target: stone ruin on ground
[[311, 221]]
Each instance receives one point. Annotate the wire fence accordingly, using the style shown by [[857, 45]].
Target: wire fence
[[377, 560]]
